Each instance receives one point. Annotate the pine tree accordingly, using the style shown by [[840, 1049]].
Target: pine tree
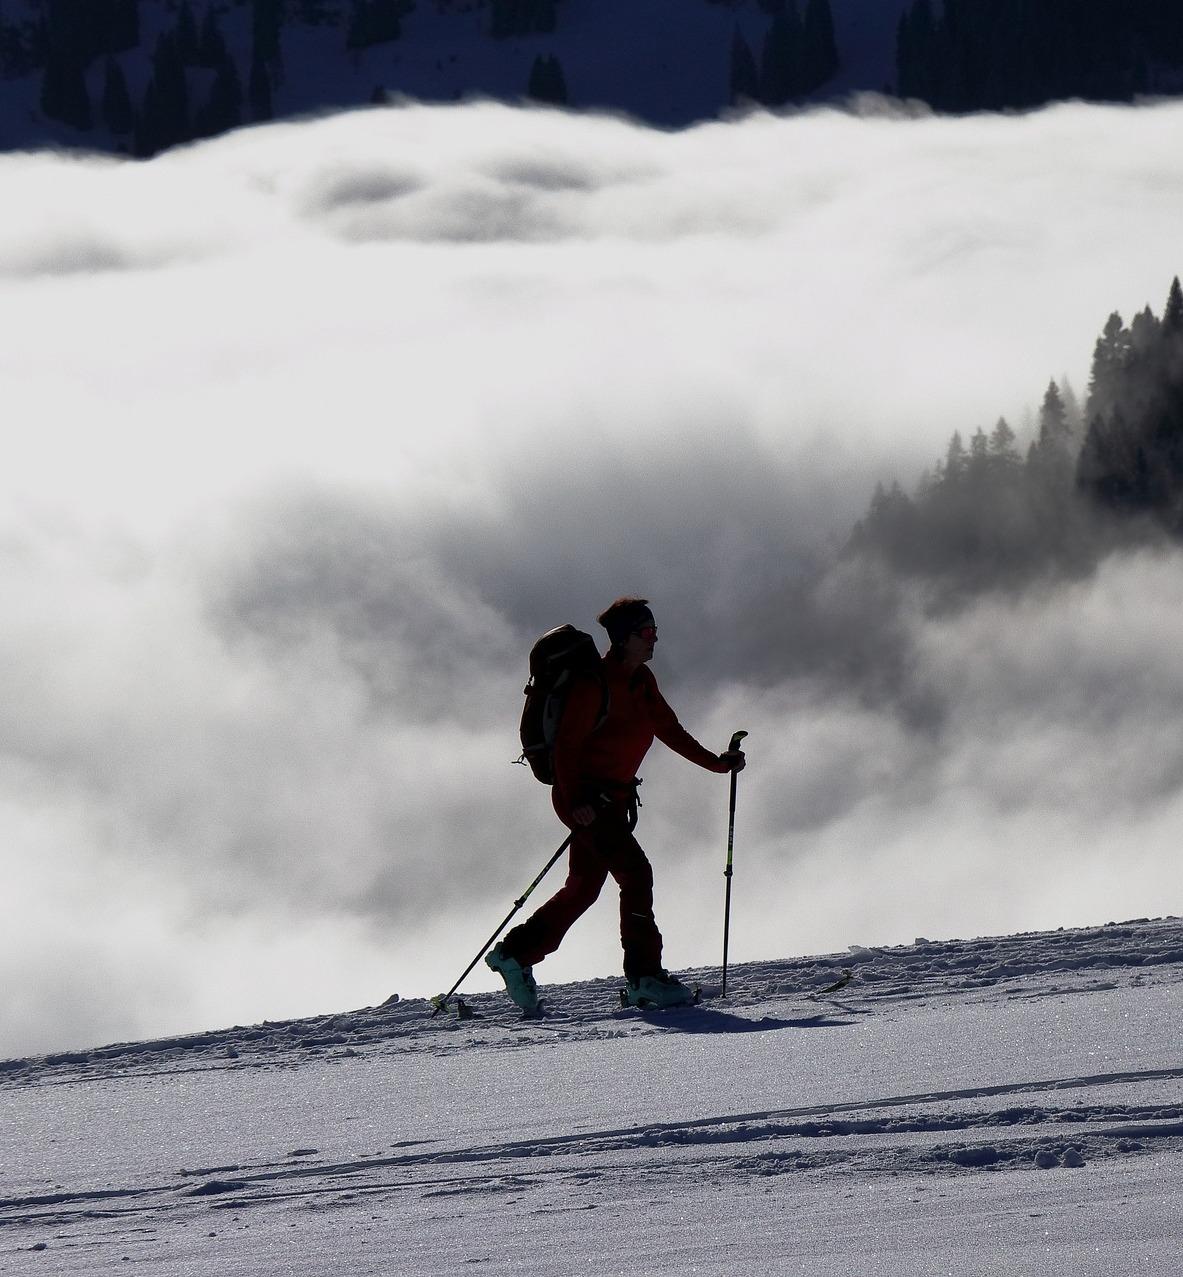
[[64, 95], [117, 111], [266, 24], [780, 62], [165, 113], [1050, 458], [211, 44], [1053, 417], [187, 37], [1110, 357], [547, 82], [223, 110], [977, 465], [123, 26], [259, 90], [1172, 316], [74, 34], [819, 52], [918, 72], [1003, 453], [745, 78], [147, 138], [955, 459]]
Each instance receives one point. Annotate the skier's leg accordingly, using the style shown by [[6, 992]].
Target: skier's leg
[[543, 931], [627, 863]]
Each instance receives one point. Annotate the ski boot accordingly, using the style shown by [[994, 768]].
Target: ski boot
[[519, 980], [658, 991]]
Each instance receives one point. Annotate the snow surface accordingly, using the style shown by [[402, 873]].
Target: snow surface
[[994, 1106]]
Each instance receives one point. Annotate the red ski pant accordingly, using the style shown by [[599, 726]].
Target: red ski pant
[[606, 846]]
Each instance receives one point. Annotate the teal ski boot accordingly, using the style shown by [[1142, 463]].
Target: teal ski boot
[[658, 991], [519, 980]]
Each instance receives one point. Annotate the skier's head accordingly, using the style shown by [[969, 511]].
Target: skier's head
[[630, 623]]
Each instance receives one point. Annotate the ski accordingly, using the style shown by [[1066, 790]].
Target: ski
[[646, 1005], [843, 980], [462, 1009], [840, 983]]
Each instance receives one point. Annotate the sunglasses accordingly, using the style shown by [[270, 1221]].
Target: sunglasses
[[647, 632]]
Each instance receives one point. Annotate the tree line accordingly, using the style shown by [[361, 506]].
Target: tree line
[[974, 55], [76, 47], [797, 56], [988, 514], [70, 37], [956, 55]]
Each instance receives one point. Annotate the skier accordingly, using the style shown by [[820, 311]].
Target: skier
[[596, 757]]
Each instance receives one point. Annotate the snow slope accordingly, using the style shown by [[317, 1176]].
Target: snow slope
[[994, 1106]]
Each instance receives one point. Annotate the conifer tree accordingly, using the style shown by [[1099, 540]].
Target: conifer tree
[[1053, 417], [259, 90], [123, 26], [780, 62], [744, 77], [266, 24], [547, 82], [223, 110], [147, 138], [117, 111], [819, 52], [1050, 458], [955, 459], [165, 114], [211, 44], [1110, 358], [917, 74], [64, 95], [1172, 316], [1002, 446], [187, 36]]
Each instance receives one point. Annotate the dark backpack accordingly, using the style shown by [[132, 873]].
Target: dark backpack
[[557, 660]]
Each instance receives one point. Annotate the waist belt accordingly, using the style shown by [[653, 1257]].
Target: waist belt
[[622, 793]]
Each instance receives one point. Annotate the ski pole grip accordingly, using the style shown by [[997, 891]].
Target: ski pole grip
[[734, 746]]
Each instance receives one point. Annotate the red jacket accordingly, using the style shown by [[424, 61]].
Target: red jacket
[[586, 755]]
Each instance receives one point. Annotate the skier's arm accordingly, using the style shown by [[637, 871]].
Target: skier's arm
[[580, 715], [670, 732]]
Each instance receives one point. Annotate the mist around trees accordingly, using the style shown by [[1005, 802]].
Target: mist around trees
[[999, 512]]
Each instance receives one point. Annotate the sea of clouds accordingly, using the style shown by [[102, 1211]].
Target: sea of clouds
[[311, 429]]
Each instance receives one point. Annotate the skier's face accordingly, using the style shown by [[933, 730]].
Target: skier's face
[[640, 645]]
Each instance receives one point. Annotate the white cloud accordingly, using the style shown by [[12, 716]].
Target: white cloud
[[310, 429]]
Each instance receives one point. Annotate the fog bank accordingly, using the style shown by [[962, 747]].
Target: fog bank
[[314, 427]]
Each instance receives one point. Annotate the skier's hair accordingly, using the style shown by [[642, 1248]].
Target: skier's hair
[[623, 616]]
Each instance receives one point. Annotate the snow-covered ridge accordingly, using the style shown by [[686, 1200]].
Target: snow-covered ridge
[[983, 1104], [1038, 964]]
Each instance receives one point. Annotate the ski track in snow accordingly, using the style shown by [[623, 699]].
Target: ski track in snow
[[1035, 1125]]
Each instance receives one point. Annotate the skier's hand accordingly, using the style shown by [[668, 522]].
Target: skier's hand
[[733, 761], [584, 815]]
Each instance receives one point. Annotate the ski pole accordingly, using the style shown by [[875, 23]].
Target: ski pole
[[731, 749], [441, 999]]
